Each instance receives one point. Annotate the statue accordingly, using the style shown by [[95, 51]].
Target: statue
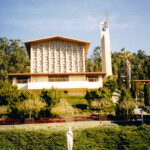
[[69, 139]]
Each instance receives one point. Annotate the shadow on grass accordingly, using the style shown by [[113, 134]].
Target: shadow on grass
[[130, 123], [81, 106]]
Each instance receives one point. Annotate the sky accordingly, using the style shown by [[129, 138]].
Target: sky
[[129, 21]]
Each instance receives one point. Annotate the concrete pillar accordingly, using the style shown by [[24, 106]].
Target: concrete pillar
[[106, 52]]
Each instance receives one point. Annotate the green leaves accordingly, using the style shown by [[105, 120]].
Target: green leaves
[[147, 95], [94, 64], [93, 138], [13, 58], [52, 96], [100, 99], [126, 104], [33, 105], [111, 83]]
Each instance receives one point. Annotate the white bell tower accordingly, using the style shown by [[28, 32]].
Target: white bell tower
[[105, 46]]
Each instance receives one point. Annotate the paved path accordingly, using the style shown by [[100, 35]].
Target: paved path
[[115, 96], [137, 111]]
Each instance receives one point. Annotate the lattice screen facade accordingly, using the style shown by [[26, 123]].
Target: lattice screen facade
[[57, 57]]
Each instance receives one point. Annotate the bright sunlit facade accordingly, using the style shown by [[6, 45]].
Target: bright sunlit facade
[[58, 62]]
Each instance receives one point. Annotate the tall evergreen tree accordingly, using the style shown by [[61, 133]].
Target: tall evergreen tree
[[119, 81], [133, 88], [146, 95], [127, 83]]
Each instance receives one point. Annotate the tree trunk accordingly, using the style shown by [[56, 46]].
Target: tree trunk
[[30, 114]]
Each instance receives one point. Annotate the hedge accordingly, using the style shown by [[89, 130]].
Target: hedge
[[97, 138]]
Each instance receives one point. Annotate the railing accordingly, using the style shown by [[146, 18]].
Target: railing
[[58, 79], [22, 81], [93, 79]]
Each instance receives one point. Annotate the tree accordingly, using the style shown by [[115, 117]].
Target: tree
[[18, 59], [146, 95], [94, 63], [9, 94], [12, 97], [133, 89], [88, 65], [100, 98], [52, 96], [126, 105], [111, 84], [141, 93], [96, 58], [29, 106], [119, 81], [127, 83], [63, 108], [3, 110], [4, 57], [105, 105], [13, 57]]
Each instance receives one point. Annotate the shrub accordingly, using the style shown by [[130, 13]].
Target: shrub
[[98, 94], [146, 95], [111, 84], [63, 108], [52, 96], [95, 138], [126, 104], [3, 110], [76, 100], [100, 99], [104, 104], [29, 106]]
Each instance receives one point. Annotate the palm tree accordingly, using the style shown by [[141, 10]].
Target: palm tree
[[125, 55]]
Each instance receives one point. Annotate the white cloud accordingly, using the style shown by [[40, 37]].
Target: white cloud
[[123, 23], [86, 22]]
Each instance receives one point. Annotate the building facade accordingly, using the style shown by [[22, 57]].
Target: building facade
[[58, 62], [57, 56]]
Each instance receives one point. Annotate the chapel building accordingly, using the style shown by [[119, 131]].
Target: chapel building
[[58, 62]]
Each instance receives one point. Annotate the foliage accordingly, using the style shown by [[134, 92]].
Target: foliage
[[140, 64], [9, 94], [13, 57], [114, 138], [80, 103], [12, 97], [119, 81], [52, 96], [97, 94], [146, 95], [141, 93], [127, 83], [94, 63], [3, 110], [100, 97], [125, 94], [33, 105], [76, 100], [27, 95], [63, 108], [103, 104], [126, 105], [111, 83], [133, 88]]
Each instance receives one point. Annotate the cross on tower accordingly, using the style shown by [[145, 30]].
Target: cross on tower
[[106, 15]]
